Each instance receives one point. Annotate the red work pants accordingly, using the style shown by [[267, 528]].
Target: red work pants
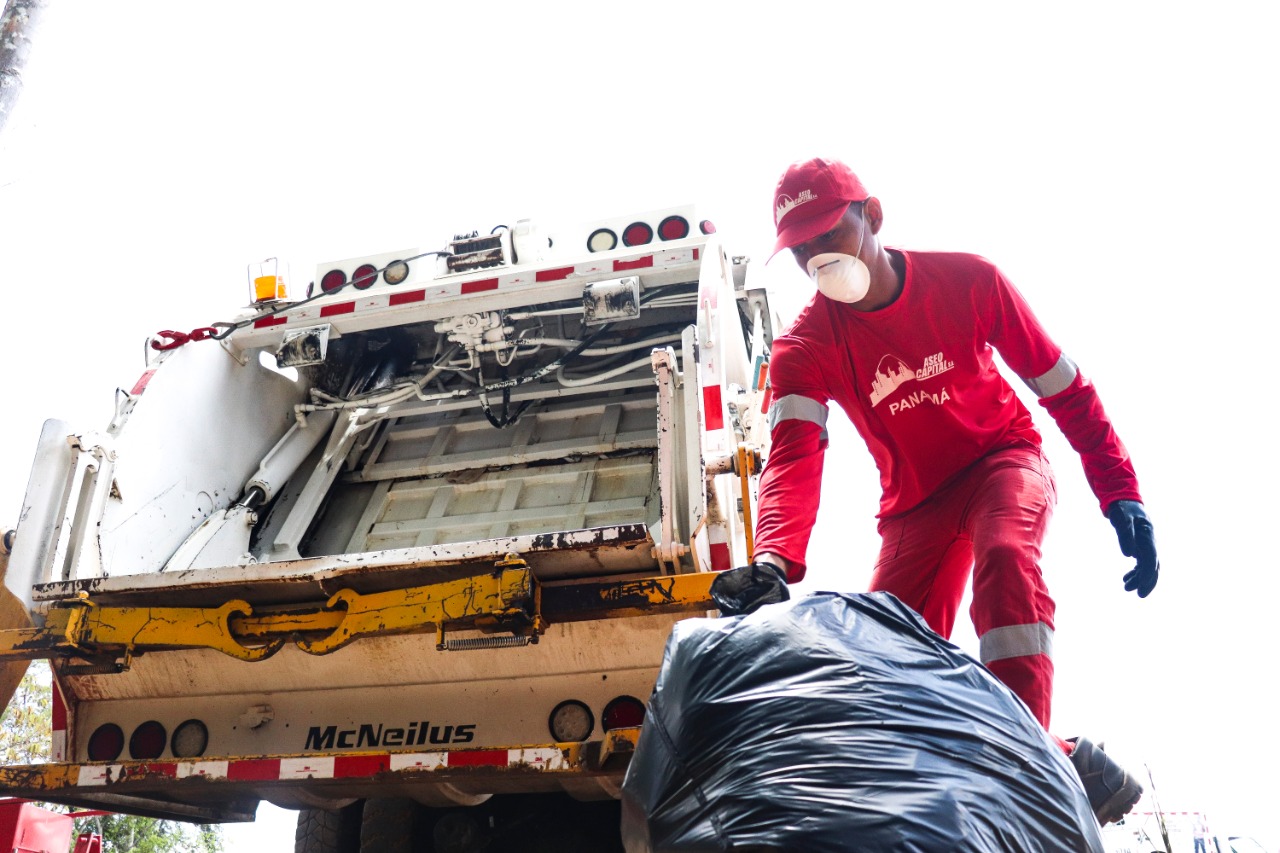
[[991, 519]]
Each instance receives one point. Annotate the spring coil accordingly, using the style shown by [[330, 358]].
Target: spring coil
[[469, 643]]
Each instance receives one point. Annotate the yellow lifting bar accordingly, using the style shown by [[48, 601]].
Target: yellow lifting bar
[[507, 599]]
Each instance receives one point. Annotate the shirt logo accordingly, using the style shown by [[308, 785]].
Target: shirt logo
[[786, 204], [892, 372]]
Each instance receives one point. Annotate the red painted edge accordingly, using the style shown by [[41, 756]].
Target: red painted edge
[[712, 406]]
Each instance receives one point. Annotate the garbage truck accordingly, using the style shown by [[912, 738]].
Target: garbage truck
[[399, 549]]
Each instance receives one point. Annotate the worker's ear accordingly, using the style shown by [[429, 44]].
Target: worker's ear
[[873, 213]]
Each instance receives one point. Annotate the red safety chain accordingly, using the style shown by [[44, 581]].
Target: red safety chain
[[177, 339]]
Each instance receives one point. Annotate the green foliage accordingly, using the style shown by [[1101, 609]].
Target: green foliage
[[130, 834], [26, 725]]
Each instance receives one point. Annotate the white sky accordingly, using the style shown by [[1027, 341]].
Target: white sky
[[1118, 161]]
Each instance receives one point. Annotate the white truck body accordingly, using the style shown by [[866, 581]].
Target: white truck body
[[591, 418]]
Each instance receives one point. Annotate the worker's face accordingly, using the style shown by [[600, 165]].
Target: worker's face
[[845, 237]]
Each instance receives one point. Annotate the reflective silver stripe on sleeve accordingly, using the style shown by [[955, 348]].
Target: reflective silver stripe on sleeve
[[1015, 641], [1056, 380], [793, 407]]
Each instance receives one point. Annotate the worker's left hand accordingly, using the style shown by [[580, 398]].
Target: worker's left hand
[[1137, 539], [747, 588]]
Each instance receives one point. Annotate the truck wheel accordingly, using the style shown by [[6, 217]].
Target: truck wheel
[[321, 831], [458, 832], [391, 826]]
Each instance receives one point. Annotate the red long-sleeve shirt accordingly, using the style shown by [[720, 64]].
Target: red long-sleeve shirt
[[919, 381]]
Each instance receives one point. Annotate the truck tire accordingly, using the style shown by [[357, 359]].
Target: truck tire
[[321, 831], [391, 826]]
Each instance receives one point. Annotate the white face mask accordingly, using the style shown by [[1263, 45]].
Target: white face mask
[[841, 277]]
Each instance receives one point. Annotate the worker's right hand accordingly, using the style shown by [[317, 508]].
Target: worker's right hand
[[747, 588]]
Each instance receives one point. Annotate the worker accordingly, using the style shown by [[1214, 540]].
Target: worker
[[902, 342], [1199, 834]]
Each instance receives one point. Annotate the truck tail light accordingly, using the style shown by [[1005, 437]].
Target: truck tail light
[[637, 234], [602, 240], [106, 743], [396, 272], [571, 721], [623, 712], [707, 226], [190, 739], [366, 276], [673, 228], [148, 740], [333, 280]]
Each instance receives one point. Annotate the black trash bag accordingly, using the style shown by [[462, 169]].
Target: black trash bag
[[842, 723]]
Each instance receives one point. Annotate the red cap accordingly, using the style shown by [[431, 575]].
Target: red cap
[[810, 199]]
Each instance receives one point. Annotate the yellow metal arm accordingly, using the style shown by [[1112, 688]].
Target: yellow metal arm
[[507, 599], [80, 627], [502, 599]]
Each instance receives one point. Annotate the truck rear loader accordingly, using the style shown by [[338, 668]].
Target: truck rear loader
[[401, 553]]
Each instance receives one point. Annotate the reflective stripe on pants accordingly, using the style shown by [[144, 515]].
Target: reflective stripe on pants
[[991, 520]]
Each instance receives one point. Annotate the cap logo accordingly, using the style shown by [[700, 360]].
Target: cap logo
[[786, 204]]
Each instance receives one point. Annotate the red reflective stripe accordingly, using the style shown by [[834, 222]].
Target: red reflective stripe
[[646, 261], [360, 765], [478, 758], [711, 405], [254, 770], [553, 275], [695, 254], [709, 296], [273, 320], [720, 557], [338, 308], [59, 710], [478, 286], [141, 384], [406, 298]]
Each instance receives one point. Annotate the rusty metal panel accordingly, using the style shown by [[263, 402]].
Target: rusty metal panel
[[592, 493], [487, 698], [583, 552]]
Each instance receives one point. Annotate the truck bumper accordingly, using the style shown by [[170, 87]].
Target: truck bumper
[[228, 789]]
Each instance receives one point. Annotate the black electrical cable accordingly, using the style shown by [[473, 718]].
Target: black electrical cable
[[505, 385]]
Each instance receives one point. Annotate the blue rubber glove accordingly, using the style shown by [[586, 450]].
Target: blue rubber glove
[[745, 589], [1138, 540]]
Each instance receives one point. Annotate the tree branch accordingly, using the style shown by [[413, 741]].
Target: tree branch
[[17, 24]]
